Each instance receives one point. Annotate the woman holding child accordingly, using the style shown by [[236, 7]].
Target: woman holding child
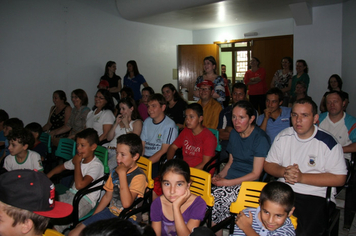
[[59, 114], [77, 119], [101, 117], [127, 121], [248, 147]]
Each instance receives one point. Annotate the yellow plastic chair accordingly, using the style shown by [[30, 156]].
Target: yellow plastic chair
[[201, 186], [51, 232], [249, 197], [146, 165]]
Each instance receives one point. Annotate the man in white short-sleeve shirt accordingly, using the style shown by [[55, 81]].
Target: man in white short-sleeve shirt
[[308, 159]]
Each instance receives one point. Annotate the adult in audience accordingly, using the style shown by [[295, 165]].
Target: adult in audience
[[113, 79], [142, 108], [334, 83], [248, 146], [125, 92], [342, 126], [101, 118], [226, 81], [255, 78], [134, 79], [300, 92], [275, 117], [309, 160], [59, 114], [175, 104], [302, 75], [210, 75], [211, 107], [225, 122], [282, 79], [127, 121], [77, 119]]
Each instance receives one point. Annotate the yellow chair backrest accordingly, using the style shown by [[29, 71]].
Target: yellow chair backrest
[[51, 232], [146, 165], [249, 196], [201, 185]]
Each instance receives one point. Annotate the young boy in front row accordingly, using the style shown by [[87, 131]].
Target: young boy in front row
[[20, 141], [26, 200], [272, 216], [87, 168], [124, 185]]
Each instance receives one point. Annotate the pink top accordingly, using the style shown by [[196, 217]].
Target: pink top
[[142, 109]]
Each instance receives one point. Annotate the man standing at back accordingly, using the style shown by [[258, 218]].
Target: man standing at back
[[309, 159], [211, 107]]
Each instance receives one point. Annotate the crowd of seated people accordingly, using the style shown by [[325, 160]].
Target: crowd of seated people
[[281, 141]]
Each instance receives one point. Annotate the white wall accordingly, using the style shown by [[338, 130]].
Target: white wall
[[264, 29], [64, 44], [320, 45], [348, 53]]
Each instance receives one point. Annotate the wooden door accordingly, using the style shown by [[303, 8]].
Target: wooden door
[[270, 52], [191, 65]]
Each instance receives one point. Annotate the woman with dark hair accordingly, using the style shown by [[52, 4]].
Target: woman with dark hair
[[175, 104], [282, 79], [255, 78], [248, 147], [210, 74], [59, 113], [302, 75], [77, 119], [127, 121], [334, 83], [113, 79], [142, 108], [134, 79], [101, 118]]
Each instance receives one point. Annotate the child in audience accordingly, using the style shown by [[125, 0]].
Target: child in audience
[[87, 168], [9, 125], [124, 185], [142, 108], [26, 200], [39, 147], [197, 142], [177, 211], [272, 216], [21, 140], [158, 131], [3, 117]]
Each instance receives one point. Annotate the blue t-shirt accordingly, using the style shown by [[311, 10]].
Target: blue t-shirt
[[135, 84], [244, 150], [276, 126], [2, 139]]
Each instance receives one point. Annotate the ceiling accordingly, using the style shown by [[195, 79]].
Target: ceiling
[[205, 14]]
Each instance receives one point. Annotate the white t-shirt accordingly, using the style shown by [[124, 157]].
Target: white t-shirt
[[96, 121], [32, 162], [318, 154], [95, 169], [118, 132]]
